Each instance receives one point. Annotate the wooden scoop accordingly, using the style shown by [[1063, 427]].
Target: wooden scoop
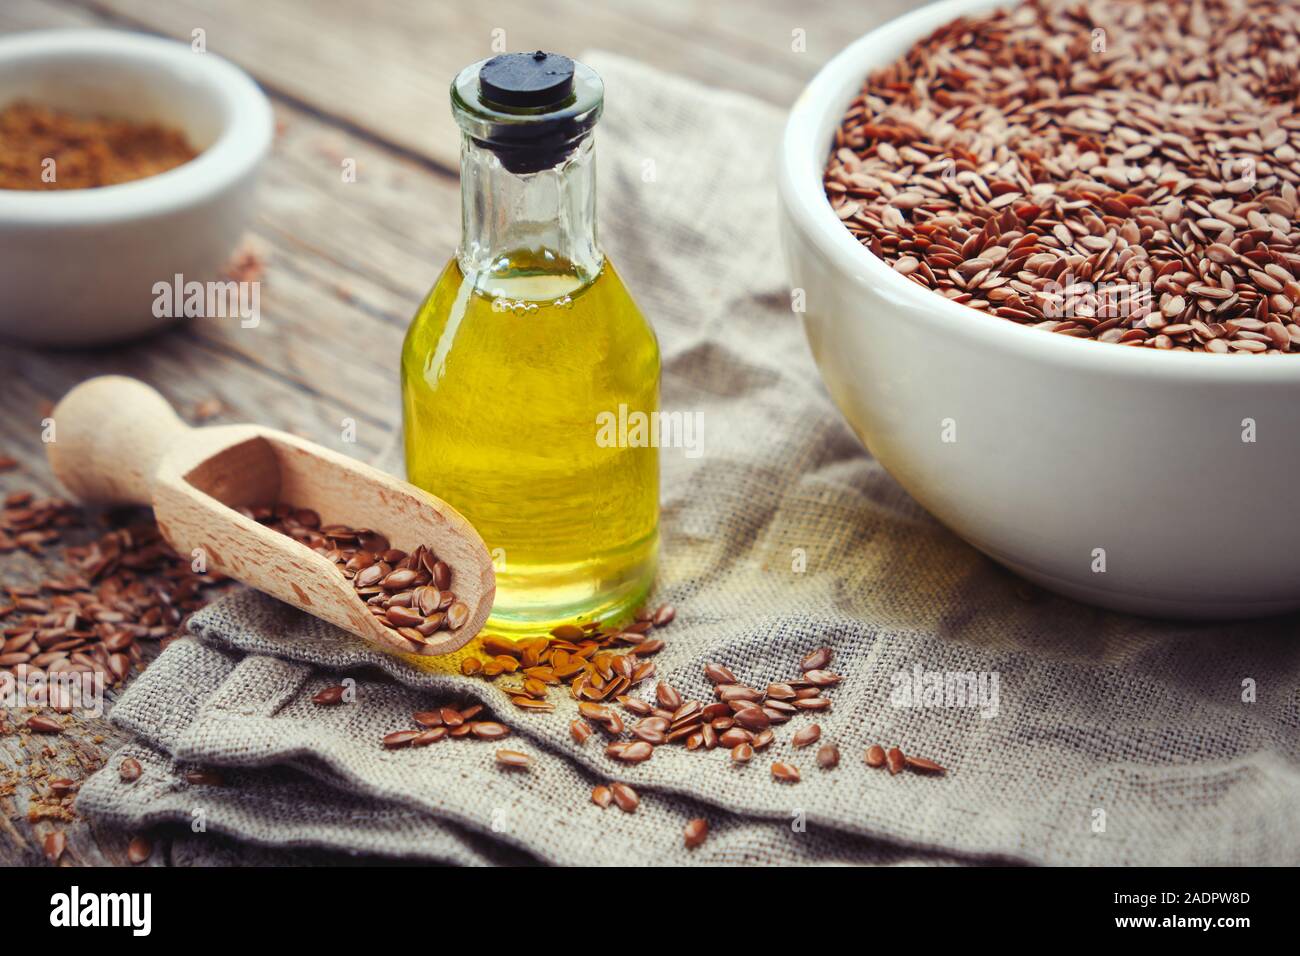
[[118, 442]]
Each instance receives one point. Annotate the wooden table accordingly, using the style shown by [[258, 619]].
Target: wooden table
[[344, 264]]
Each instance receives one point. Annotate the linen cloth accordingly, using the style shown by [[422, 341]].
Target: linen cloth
[[1114, 740]]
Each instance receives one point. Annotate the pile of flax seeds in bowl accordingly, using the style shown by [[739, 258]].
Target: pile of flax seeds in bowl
[[1119, 170]]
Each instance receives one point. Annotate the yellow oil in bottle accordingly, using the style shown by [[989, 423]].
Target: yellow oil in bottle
[[526, 351], [508, 378]]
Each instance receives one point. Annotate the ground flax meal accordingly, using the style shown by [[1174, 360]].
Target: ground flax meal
[[41, 148]]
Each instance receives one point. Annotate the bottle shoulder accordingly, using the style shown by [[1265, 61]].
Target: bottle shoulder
[[526, 305]]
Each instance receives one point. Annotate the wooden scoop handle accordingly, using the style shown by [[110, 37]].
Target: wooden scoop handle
[[110, 433]]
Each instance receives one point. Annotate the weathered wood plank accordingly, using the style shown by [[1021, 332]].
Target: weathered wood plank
[[386, 68], [19, 15]]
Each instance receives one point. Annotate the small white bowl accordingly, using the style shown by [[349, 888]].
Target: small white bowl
[[78, 267], [1063, 446]]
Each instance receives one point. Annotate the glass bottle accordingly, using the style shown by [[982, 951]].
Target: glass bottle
[[528, 368]]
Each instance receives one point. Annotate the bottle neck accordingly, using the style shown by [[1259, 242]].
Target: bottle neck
[[529, 223]]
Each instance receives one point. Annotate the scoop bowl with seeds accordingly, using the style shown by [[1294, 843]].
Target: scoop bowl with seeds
[[958, 215]]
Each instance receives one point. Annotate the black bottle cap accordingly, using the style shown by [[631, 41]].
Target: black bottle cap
[[531, 109], [527, 80]]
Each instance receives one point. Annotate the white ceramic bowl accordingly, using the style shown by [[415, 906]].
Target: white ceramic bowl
[[78, 267], [1062, 446]]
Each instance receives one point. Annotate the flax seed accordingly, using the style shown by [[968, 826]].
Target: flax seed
[[513, 759], [668, 697], [664, 616], [625, 797], [56, 842], [697, 831], [753, 719], [330, 696], [139, 850], [923, 765], [204, 778], [400, 738], [806, 735], [785, 773], [1125, 191], [895, 760], [635, 752], [828, 756], [39, 724], [489, 730]]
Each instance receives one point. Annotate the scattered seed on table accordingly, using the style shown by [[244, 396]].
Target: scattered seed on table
[[204, 778], [875, 756], [697, 831], [816, 660], [601, 796], [489, 730], [806, 735], [329, 696], [828, 756], [636, 706], [54, 844], [822, 678], [40, 724], [924, 765], [400, 738], [635, 752], [129, 769], [513, 759], [719, 674], [625, 797], [895, 760], [668, 697], [785, 773], [139, 850]]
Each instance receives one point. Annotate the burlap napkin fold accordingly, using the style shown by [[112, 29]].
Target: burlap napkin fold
[[1109, 739]]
